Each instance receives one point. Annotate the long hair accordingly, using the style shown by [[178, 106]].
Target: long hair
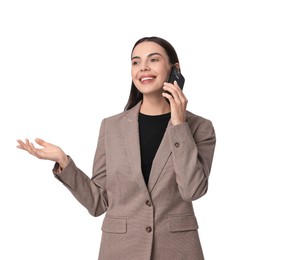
[[135, 95]]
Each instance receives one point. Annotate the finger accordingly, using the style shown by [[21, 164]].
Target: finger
[[33, 148], [27, 144], [29, 147], [36, 152], [20, 144], [173, 92], [176, 83], [182, 98], [177, 93], [41, 142], [168, 96], [173, 85]]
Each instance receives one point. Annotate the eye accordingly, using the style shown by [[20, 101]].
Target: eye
[[154, 60], [135, 62]]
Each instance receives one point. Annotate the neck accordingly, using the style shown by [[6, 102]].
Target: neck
[[154, 106]]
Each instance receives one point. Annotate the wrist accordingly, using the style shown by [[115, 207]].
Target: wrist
[[63, 162]]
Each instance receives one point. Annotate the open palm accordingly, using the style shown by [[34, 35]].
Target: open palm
[[47, 151]]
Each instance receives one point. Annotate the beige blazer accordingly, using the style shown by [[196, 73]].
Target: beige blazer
[[154, 222]]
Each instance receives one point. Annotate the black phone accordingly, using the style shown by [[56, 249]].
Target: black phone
[[176, 75]]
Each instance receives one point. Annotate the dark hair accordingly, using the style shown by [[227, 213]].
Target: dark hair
[[135, 95]]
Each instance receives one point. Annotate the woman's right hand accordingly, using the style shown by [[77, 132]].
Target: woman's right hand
[[47, 152]]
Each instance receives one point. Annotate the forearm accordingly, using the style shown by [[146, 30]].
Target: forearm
[[86, 191], [192, 161]]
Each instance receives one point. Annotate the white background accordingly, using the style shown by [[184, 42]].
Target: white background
[[65, 65]]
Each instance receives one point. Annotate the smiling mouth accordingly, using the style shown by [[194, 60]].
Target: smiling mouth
[[146, 79]]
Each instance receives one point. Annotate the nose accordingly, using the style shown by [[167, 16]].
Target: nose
[[144, 67]]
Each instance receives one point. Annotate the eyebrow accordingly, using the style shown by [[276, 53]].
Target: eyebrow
[[149, 55]]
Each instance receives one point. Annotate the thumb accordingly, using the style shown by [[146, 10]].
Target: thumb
[[40, 142]]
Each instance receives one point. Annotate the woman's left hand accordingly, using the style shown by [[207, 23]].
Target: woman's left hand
[[178, 102]]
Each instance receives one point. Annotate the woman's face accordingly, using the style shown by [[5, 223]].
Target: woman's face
[[150, 68]]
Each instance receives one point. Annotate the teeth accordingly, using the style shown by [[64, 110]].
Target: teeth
[[146, 79]]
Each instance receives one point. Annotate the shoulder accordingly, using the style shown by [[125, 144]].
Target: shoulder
[[115, 117], [196, 123], [130, 115], [196, 119], [113, 120]]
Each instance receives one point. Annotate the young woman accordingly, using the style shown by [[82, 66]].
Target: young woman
[[151, 162]]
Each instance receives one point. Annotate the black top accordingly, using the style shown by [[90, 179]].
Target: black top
[[151, 130]]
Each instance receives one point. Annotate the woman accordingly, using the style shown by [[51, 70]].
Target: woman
[[151, 162]]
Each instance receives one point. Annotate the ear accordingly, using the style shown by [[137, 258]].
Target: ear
[[177, 66]]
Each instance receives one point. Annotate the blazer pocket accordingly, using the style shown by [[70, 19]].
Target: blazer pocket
[[183, 222], [114, 225]]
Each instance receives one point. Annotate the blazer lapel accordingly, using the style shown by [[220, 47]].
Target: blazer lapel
[[161, 157], [132, 142]]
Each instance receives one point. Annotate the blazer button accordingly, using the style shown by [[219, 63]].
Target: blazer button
[[177, 145], [148, 229], [148, 203]]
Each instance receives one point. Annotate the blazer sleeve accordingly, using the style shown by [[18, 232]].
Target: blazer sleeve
[[90, 192], [192, 152]]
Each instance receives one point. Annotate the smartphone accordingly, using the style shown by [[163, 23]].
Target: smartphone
[[176, 75]]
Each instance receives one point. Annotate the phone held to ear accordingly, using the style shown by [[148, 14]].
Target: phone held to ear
[[176, 75]]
